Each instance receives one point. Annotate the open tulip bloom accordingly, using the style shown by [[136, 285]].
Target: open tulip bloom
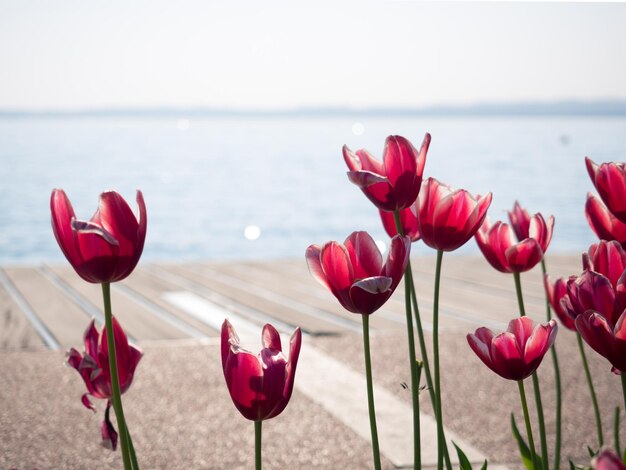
[[603, 223], [105, 248], [394, 183], [610, 182], [93, 366], [260, 385]]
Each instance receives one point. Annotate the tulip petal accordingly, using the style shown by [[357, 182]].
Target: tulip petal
[[524, 255], [365, 256], [520, 221], [335, 262], [109, 435], [368, 295], [270, 338], [397, 259], [604, 224], [312, 257]]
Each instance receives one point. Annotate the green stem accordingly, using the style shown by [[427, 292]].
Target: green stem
[[257, 444], [438, 409], [536, 389], [529, 431], [133, 456], [616, 431], [116, 398], [592, 391], [370, 391], [417, 459], [623, 376], [557, 383]]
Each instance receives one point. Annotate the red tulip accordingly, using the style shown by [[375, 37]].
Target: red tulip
[[447, 218], [520, 221], [106, 248], [607, 460], [93, 367], [606, 340], [516, 353], [354, 272], [526, 226], [591, 291], [394, 183], [408, 219], [555, 293], [259, 385], [607, 258], [604, 224], [501, 251], [610, 181]]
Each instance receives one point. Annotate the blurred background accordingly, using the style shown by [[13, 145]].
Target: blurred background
[[230, 116]]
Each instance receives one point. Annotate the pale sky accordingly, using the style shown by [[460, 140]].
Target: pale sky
[[269, 54]]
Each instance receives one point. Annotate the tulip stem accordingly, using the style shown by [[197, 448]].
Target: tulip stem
[[441, 442], [557, 383], [623, 377], [417, 459], [131, 448], [536, 389], [529, 431], [370, 390], [116, 398], [616, 431], [257, 444], [592, 391]]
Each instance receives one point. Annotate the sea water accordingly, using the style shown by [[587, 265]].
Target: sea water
[[266, 188]]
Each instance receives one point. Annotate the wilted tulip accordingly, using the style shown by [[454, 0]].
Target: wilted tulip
[[354, 272], [527, 226], [106, 248], [604, 224], [498, 245], [448, 219], [394, 183], [408, 220], [610, 181], [555, 293], [516, 353], [604, 338], [93, 367], [260, 385]]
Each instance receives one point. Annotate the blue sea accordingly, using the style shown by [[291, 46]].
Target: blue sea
[[266, 188]]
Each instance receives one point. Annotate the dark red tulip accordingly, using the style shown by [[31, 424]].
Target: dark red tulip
[[527, 226], [93, 366], [610, 182], [354, 272], [555, 293], [260, 385], [408, 219], [604, 338], [498, 245], [604, 224], [447, 218], [106, 248], [607, 460], [607, 258], [591, 291], [394, 183], [516, 353]]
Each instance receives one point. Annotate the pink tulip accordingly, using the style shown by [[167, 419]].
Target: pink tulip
[[516, 353], [526, 226], [93, 367], [591, 291], [260, 385], [447, 218], [607, 460], [354, 272], [607, 258], [106, 248], [555, 293], [610, 181], [498, 245], [606, 340], [394, 183], [408, 219], [604, 224]]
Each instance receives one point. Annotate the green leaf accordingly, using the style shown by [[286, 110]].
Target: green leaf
[[484, 467], [592, 453], [464, 463], [527, 457]]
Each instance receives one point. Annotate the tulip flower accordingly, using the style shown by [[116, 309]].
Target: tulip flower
[[354, 272], [448, 218], [93, 366], [591, 291], [607, 258], [394, 183], [497, 244], [607, 340], [260, 385], [408, 219], [526, 226], [105, 248], [610, 181], [604, 224], [607, 460], [555, 292], [516, 353]]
